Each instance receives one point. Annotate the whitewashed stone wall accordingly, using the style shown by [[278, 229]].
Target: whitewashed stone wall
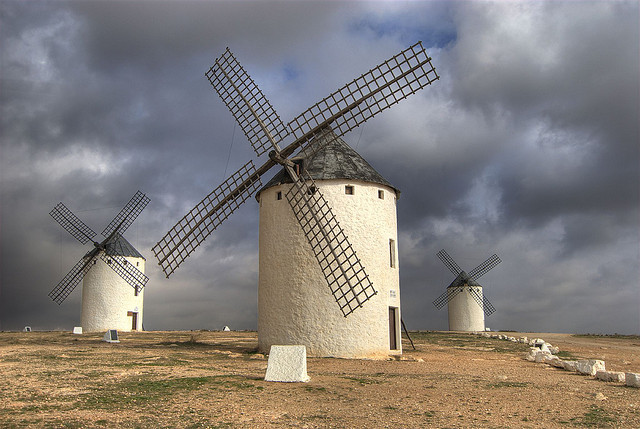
[[465, 314], [107, 299], [295, 304]]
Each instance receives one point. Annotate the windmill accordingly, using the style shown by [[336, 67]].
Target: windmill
[[107, 300], [466, 302], [342, 270]]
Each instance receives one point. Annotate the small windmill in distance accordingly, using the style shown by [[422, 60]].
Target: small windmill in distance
[[331, 256], [467, 304], [108, 302]]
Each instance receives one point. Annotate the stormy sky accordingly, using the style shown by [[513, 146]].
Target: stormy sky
[[528, 147]]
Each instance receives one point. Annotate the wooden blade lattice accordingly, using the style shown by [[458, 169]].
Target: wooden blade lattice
[[205, 217], [136, 278], [72, 224], [483, 302], [340, 265], [447, 296], [253, 112], [449, 262], [73, 277], [127, 215], [377, 90], [484, 267]]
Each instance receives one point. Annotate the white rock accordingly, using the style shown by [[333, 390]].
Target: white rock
[[541, 356], [610, 376], [590, 366], [553, 349], [553, 361], [632, 379], [531, 356], [287, 363], [77, 329], [569, 365]]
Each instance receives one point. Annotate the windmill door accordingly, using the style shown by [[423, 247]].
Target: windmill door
[[134, 320], [393, 328]]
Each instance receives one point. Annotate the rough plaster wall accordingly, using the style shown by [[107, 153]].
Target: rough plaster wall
[[464, 312], [106, 299], [295, 305]]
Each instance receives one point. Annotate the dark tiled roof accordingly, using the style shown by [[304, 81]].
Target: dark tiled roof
[[118, 245], [463, 279], [334, 160]]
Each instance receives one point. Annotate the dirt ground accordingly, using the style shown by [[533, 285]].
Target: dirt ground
[[215, 379]]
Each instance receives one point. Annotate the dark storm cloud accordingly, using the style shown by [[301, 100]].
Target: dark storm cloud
[[527, 147]]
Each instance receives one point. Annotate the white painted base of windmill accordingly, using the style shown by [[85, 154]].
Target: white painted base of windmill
[[295, 304], [108, 301], [465, 314]]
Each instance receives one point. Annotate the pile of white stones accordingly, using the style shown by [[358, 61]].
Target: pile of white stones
[[542, 352]]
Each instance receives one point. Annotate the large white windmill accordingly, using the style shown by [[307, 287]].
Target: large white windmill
[[466, 302], [112, 273], [294, 304]]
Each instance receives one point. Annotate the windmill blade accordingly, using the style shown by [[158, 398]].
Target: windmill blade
[[127, 215], [72, 224], [449, 262], [488, 308], [204, 218], [484, 267], [73, 277], [253, 112], [136, 278], [476, 296], [378, 89], [447, 296], [340, 265]]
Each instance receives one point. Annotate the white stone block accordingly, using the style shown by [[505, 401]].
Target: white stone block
[[569, 365], [554, 361], [287, 363], [541, 356], [111, 336], [77, 329], [610, 376], [632, 379], [590, 366]]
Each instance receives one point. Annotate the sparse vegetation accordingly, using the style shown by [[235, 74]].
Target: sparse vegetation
[[210, 379]]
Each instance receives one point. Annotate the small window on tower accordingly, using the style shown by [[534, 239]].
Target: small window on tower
[[381, 194], [279, 195], [348, 189], [392, 253], [137, 264]]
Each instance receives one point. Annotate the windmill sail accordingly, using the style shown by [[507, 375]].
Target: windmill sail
[[72, 224], [340, 265]]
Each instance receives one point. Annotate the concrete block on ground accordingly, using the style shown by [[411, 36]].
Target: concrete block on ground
[[77, 329], [632, 379], [610, 376], [287, 364], [590, 366]]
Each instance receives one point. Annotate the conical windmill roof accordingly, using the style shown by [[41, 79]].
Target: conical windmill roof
[[463, 279], [334, 160], [118, 246]]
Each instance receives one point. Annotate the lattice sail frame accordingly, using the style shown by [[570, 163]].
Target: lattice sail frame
[[377, 90], [204, 218], [251, 109], [345, 275], [136, 278], [484, 267], [72, 224], [127, 215], [63, 289]]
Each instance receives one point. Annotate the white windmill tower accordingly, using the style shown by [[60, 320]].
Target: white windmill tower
[[109, 271], [295, 306], [467, 304]]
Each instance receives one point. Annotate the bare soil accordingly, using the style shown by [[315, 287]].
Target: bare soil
[[215, 379]]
